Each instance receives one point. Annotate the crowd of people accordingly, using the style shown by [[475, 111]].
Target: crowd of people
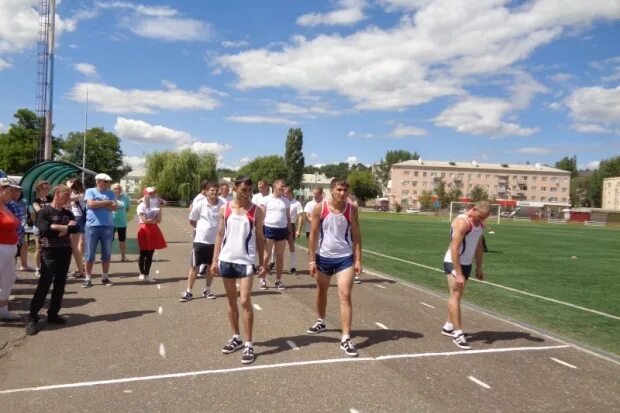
[[236, 236]]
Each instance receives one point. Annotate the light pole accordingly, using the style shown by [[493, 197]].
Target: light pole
[[84, 142]]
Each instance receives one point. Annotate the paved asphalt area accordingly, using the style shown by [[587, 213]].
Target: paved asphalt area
[[133, 347]]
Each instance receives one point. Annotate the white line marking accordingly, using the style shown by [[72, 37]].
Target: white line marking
[[158, 286], [292, 345], [127, 391], [160, 310], [353, 410], [504, 287], [383, 326], [162, 350], [563, 363], [481, 383], [380, 286], [428, 305], [257, 307], [270, 366]]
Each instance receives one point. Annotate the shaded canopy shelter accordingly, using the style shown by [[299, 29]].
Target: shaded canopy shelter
[[54, 172]]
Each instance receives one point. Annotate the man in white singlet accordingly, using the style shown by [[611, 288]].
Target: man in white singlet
[[295, 210], [317, 198], [263, 192], [465, 246], [276, 229], [239, 239], [337, 252]]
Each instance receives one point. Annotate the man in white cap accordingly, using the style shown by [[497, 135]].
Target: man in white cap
[[101, 203]]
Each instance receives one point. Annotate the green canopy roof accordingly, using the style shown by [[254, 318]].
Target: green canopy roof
[[54, 172]]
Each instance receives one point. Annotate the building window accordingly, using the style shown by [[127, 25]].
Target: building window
[[514, 177], [415, 173], [471, 176], [415, 192], [415, 183], [533, 188], [443, 174], [461, 175], [479, 176], [543, 188], [433, 173], [563, 199], [553, 179], [544, 178], [424, 183], [487, 176], [407, 172], [404, 201], [542, 198], [524, 178], [553, 189], [534, 178], [423, 173], [451, 175], [563, 189], [405, 192]]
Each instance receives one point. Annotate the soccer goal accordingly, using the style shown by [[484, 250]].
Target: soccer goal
[[460, 208]]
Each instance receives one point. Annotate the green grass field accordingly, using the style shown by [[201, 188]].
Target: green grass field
[[531, 257]]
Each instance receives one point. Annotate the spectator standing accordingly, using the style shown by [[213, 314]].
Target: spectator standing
[[225, 194], [9, 226], [55, 224], [120, 219], [78, 209], [20, 211], [41, 199], [296, 211], [99, 227], [150, 237]]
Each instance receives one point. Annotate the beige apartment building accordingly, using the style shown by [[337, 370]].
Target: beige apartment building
[[611, 193], [524, 183]]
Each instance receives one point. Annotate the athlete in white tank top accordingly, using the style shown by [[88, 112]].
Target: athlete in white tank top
[[468, 247], [335, 232]]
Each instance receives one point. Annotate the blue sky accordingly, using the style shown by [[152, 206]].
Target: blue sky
[[491, 80]]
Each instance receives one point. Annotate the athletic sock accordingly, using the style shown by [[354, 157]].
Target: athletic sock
[[237, 337], [458, 333], [188, 291], [448, 326], [87, 276], [320, 320], [248, 344], [293, 260], [345, 337], [104, 276]]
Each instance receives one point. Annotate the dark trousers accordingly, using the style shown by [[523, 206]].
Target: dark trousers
[[145, 260], [54, 266]]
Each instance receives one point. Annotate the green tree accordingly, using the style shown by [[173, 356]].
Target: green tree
[[294, 157], [311, 169], [606, 169], [177, 174], [19, 145], [225, 173], [269, 168], [568, 164], [426, 201], [478, 193], [363, 185], [392, 157], [447, 193], [103, 153], [580, 190], [340, 170]]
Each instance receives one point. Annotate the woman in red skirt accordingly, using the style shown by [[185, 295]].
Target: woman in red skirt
[[150, 237]]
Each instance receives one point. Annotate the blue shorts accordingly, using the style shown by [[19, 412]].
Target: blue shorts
[[448, 267], [276, 234], [101, 234], [232, 270], [331, 266]]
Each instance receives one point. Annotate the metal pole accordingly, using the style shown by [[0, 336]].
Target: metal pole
[[84, 143], [47, 155]]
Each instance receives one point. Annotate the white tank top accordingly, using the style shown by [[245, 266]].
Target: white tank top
[[239, 243], [470, 242], [335, 233]]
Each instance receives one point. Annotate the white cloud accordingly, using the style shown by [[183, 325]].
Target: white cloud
[[402, 130], [352, 160], [212, 147], [18, 22], [562, 77], [107, 98], [86, 69], [395, 5], [152, 11], [535, 150], [168, 84], [4, 64], [595, 104], [137, 163], [432, 53], [555, 106], [481, 116], [317, 109], [261, 119], [314, 156], [348, 13], [593, 165], [169, 28], [231, 43], [2, 128], [354, 134]]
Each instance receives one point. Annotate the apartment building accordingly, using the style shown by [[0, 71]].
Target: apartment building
[[532, 183], [611, 193]]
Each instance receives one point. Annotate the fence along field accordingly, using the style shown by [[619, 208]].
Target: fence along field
[[577, 265]]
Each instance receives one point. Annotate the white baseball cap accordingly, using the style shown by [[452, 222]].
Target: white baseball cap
[[103, 177]]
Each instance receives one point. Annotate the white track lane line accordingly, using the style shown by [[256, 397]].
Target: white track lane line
[[292, 345], [158, 286], [256, 306], [380, 286], [504, 287], [383, 326], [427, 305], [162, 350], [478, 382], [273, 366], [160, 310], [563, 363], [352, 410]]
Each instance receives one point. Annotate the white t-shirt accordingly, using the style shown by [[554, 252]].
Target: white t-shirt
[[259, 199], [149, 213], [207, 218], [275, 211], [198, 198], [228, 198], [75, 209], [295, 209], [308, 211]]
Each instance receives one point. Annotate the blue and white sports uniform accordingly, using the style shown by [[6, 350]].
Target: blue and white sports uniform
[[335, 252], [468, 247], [239, 244]]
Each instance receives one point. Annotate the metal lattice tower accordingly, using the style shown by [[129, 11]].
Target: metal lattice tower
[[45, 69]]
